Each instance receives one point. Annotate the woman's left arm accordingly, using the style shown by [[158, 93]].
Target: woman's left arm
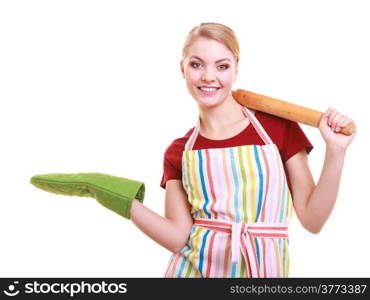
[[314, 203]]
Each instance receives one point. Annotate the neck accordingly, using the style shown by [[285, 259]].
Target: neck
[[216, 118]]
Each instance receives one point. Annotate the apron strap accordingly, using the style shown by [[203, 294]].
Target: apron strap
[[257, 126], [190, 143]]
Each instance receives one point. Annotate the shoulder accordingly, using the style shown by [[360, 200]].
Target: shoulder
[[172, 161], [276, 127], [176, 147], [270, 120], [286, 134], [283, 132]]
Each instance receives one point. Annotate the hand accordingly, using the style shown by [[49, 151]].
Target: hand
[[330, 125], [113, 192]]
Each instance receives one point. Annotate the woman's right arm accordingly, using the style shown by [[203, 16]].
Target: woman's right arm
[[173, 230]]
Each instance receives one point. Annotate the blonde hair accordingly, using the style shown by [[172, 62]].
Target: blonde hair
[[214, 31]]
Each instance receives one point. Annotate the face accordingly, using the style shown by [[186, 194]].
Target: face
[[209, 70]]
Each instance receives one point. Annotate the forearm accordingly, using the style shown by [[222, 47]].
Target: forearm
[[161, 230], [322, 199]]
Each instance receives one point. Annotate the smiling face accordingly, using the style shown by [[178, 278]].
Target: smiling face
[[209, 69]]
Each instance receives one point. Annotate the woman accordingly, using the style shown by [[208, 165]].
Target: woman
[[233, 180]]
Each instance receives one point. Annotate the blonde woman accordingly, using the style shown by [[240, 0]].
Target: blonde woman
[[233, 180]]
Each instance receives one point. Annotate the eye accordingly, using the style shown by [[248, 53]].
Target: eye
[[223, 67], [195, 64]]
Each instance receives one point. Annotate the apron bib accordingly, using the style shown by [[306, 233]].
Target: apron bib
[[241, 206]]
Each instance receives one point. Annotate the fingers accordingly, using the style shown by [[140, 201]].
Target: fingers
[[336, 120]]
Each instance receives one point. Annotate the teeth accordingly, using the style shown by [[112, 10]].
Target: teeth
[[208, 89]]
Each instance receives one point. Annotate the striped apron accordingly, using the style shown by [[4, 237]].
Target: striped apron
[[241, 206]]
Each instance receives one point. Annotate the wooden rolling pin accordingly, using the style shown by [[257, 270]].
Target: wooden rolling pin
[[284, 109]]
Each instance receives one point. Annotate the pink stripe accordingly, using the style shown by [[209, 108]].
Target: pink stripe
[[217, 248], [224, 230], [269, 259], [209, 253], [174, 265], [227, 179], [269, 234], [220, 189], [211, 186], [169, 266], [193, 137], [264, 257], [189, 145], [267, 180], [261, 265], [273, 185], [268, 228], [213, 222], [255, 255], [227, 255], [245, 253], [280, 183]]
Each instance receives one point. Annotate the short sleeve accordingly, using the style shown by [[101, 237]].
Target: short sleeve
[[294, 141], [172, 162], [170, 171]]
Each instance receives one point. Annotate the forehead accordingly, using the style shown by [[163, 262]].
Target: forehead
[[209, 50]]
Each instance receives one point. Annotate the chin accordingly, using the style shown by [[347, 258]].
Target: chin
[[209, 102]]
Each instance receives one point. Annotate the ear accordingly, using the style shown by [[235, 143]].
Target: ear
[[182, 68]]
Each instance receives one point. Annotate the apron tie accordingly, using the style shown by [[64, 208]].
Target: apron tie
[[236, 240], [241, 238]]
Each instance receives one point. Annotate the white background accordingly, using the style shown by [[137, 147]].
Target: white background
[[95, 86]]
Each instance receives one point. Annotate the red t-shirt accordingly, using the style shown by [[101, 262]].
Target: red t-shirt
[[287, 135]]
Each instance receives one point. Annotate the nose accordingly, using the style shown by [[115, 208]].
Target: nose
[[208, 75]]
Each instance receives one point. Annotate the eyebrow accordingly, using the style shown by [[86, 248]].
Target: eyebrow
[[216, 61]]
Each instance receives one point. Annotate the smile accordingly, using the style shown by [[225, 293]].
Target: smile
[[208, 90]]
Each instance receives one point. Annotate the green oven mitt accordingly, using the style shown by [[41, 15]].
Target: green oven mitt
[[115, 193]]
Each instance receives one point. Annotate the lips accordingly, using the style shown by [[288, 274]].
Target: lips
[[208, 90]]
